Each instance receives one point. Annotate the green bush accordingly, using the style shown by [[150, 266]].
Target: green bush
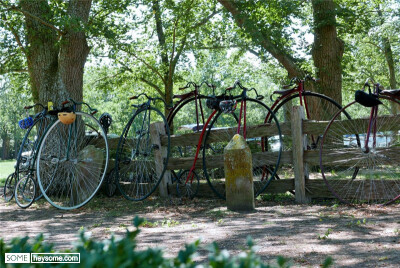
[[123, 253]]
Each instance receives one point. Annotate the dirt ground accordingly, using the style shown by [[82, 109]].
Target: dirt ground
[[305, 234]]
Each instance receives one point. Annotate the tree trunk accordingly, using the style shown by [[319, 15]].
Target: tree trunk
[[55, 63], [327, 51], [5, 146]]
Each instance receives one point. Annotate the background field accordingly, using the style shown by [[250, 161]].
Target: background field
[[6, 168]]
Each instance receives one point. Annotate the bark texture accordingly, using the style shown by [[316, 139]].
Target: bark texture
[[327, 50], [56, 60]]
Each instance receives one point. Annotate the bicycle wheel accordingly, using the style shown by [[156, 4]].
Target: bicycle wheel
[[110, 185], [187, 189], [188, 117], [317, 107], [9, 187], [225, 126], [136, 172], [72, 161], [25, 166], [356, 173], [25, 192]]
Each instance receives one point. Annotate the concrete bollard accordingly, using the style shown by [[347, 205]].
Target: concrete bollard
[[238, 175]]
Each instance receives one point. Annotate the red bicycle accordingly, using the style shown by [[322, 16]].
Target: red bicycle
[[223, 123], [317, 107]]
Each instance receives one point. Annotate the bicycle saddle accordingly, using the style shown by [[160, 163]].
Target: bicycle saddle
[[284, 91], [183, 96], [393, 92], [367, 100]]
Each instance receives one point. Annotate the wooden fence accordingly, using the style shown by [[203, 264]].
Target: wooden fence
[[303, 184]]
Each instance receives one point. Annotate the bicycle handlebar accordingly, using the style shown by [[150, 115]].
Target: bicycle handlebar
[[245, 89], [148, 97], [196, 86], [36, 104], [92, 110]]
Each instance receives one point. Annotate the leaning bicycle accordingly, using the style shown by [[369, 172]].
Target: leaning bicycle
[[72, 158], [223, 123], [135, 169], [359, 158], [23, 182]]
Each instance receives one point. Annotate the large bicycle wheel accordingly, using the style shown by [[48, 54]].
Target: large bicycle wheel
[[317, 107], [72, 161], [25, 166], [25, 192], [135, 166], [223, 127], [356, 172], [9, 187]]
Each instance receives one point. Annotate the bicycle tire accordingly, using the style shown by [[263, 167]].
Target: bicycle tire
[[9, 187], [72, 161], [353, 174], [135, 166], [25, 192], [258, 112], [187, 189], [317, 110]]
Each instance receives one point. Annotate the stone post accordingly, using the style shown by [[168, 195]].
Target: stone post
[[238, 175]]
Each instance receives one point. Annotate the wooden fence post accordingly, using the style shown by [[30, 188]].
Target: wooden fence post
[[156, 131], [299, 144]]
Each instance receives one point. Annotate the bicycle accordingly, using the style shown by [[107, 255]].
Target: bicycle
[[21, 184], [135, 170], [222, 124], [192, 103], [359, 158], [72, 157], [317, 107]]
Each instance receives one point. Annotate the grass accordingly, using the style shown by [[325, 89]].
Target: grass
[[6, 168]]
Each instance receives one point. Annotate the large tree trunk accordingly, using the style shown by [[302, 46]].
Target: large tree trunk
[[55, 63], [327, 50]]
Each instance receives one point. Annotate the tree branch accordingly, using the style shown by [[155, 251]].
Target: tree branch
[[16, 36], [147, 65], [206, 19], [248, 25], [13, 71], [157, 88], [26, 13]]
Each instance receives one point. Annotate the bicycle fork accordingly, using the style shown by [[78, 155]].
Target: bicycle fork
[[190, 175]]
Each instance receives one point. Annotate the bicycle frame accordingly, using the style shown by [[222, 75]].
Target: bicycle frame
[[243, 97]]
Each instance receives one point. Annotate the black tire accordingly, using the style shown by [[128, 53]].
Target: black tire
[[25, 192], [135, 165], [72, 161], [263, 169], [320, 108], [9, 187]]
